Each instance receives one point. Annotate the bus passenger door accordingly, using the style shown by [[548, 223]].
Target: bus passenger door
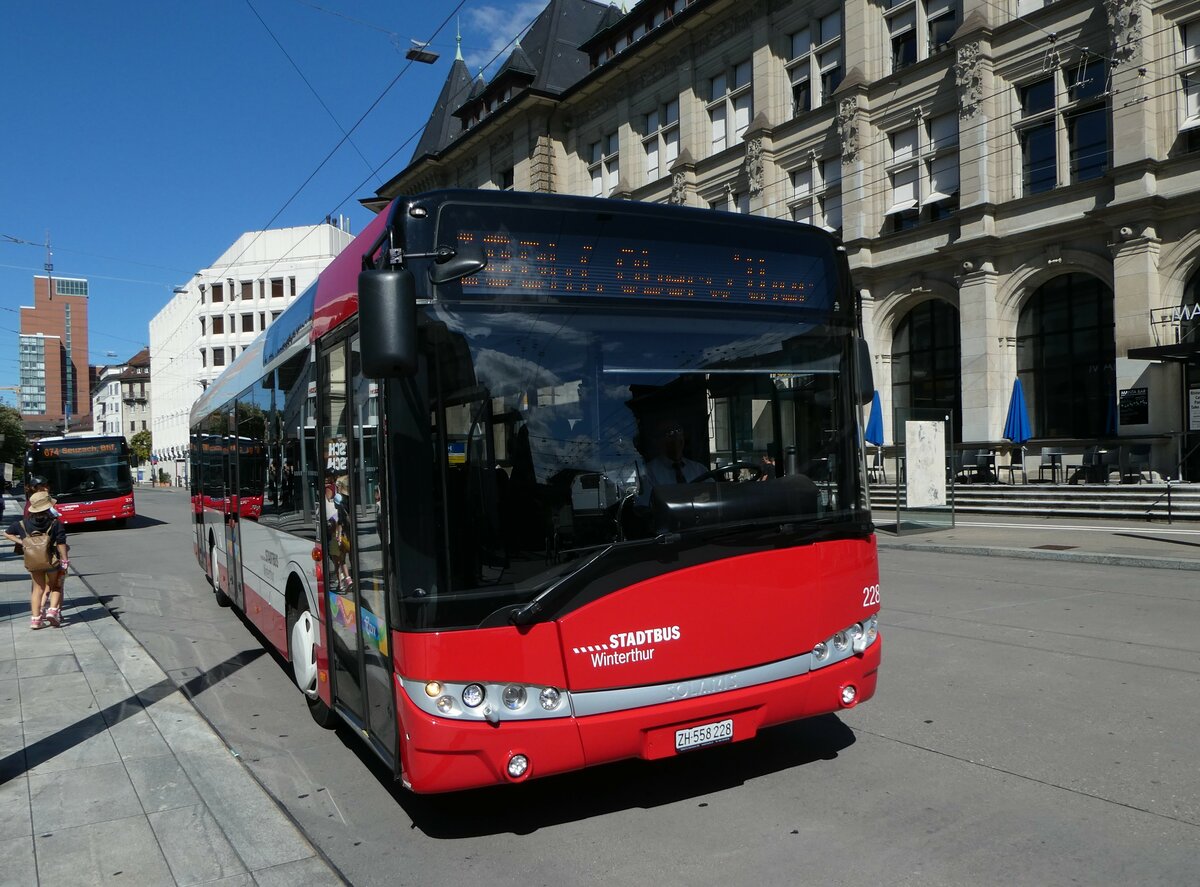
[[336, 510], [368, 554], [233, 535]]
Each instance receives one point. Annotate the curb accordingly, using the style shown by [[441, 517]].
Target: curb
[[1110, 560]]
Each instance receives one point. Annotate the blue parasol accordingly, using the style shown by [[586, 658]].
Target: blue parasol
[[1016, 426], [874, 432]]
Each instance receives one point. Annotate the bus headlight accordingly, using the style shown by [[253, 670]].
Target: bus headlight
[[487, 701], [848, 642]]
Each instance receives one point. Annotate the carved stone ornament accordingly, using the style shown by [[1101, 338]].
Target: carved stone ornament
[[968, 77], [678, 188], [1125, 24], [754, 164], [848, 128]]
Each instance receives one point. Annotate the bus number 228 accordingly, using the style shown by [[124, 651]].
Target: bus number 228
[[871, 596]]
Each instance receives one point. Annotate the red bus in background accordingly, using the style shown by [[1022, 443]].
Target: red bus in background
[[89, 475], [213, 457], [554, 481]]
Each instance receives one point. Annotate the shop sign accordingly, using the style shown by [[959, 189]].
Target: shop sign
[[1135, 406]]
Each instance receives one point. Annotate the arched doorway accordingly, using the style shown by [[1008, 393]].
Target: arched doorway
[[1066, 358], [926, 358], [1189, 331]]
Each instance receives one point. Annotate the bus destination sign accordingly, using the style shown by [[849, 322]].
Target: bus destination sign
[[79, 449]]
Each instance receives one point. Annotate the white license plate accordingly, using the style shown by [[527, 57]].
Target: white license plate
[[86, 519], [705, 734]]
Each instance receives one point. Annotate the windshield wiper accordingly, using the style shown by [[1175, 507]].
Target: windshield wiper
[[527, 614]]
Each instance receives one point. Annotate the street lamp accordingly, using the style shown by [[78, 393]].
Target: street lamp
[[420, 52]]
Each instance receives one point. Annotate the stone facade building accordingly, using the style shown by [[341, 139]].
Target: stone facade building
[[1017, 182]]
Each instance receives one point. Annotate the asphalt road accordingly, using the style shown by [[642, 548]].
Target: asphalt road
[[1035, 724]]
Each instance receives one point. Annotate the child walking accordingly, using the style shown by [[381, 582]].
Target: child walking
[[47, 580]]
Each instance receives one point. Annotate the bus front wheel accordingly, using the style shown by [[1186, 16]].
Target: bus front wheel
[[222, 598], [302, 651]]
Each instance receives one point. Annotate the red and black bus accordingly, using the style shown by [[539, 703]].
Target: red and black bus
[[554, 481], [88, 474]]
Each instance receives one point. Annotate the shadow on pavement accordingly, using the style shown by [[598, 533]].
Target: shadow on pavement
[[1146, 538], [50, 747], [525, 809]]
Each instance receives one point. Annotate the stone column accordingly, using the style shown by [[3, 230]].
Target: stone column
[[683, 180], [988, 369], [762, 173], [1135, 285]]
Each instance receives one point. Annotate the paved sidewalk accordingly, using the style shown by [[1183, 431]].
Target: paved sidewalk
[[1127, 543], [108, 775]]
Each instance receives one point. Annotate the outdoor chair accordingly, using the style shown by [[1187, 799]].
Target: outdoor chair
[[1137, 461], [1110, 461], [965, 466], [1016, 462], [985, 466], [877, 471], [1088, 467], [1051, 461]]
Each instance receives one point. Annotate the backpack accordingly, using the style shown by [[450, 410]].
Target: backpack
[[41, 553]]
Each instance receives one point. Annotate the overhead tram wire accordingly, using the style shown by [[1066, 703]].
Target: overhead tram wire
[[357, 188], [308, 83], [346, 135], [341, 142]]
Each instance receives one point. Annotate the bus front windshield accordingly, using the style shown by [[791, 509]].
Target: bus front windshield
[[78, 476], [566, 436]]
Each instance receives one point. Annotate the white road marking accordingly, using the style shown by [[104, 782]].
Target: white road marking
[[1152, 528]]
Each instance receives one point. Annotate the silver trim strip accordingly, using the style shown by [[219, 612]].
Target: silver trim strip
[[597, 702]]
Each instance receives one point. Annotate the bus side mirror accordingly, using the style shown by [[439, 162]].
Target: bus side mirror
[[866, 378], [463, 261], [387, 323]]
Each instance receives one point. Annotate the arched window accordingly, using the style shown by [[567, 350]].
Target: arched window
[[1066, 358], [1189, 322], [926, 357]]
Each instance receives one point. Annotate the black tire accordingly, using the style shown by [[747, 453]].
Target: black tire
[[221, 596], [302, 627], [120, 523]]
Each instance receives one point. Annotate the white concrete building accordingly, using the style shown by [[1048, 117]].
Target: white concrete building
[[213, 317], [106, 401]]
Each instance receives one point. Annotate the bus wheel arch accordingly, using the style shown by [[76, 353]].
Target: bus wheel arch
[[214, 575], [303, 631]]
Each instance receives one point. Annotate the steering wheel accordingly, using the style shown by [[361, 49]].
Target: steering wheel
[[755, 470]]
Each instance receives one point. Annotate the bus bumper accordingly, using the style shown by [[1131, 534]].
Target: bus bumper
[[441, 755]]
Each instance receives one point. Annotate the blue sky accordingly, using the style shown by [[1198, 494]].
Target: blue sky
[[145, 137]]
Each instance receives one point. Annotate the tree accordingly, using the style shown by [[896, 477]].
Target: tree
[[139, 447], [15, 442]]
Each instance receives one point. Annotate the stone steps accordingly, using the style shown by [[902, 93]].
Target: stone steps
[[1133, 501]]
